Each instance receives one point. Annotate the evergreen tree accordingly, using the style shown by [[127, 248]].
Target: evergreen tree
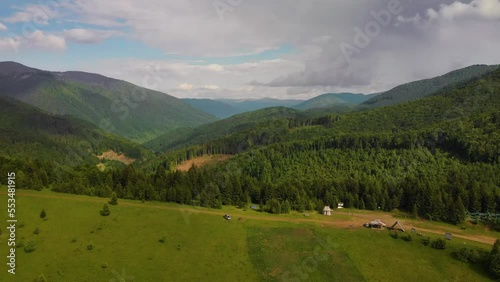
[[105, 210], [414, 211], [114, 199], [43, 214]]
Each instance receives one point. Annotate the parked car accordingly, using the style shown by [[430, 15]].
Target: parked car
[[227, 217]]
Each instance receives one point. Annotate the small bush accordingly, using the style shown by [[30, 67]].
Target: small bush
[[408, 238], [470, 255], [439, 244], [36, 231], [163, 239], [90, 246], [395, 235], [426, 241], [20, 245], [105, 210], [104, 265], [114, 199], [21, 225], [30, 247], [73, 240], [43, 214]]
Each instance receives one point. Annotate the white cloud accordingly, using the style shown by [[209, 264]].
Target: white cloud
[[39, 39], [427, 39], [215, 67], [2, 27], [36, 40], [485, 9], [211, 87], [9, 44], [185, 87], [36, 14], [89, 36]]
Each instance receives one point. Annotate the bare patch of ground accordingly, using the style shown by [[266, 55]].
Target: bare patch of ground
[[201, 161], [113, 156]]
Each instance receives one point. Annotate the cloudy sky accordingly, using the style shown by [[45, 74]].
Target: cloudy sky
[[288, 49]]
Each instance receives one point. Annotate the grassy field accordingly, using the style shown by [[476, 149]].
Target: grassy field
[[198, 244]]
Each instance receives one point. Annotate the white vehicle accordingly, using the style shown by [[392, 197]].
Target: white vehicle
[[227, 217]]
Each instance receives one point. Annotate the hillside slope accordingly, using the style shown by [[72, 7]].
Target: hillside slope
[[118, 107], [27, 132], [423, 88], [333, 99], [214, 107], [218, 129]]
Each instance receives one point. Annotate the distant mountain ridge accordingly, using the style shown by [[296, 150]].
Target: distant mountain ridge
[[426, 87], [332, 99], [119, 107], [224, 108]]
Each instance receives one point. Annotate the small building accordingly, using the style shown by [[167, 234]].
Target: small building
[[340, 205], [327, 211]]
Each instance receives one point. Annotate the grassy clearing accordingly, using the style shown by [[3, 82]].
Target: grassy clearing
[[168, 242]]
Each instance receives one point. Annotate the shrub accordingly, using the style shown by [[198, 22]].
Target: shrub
[[20, 244], [494, 266], [470, 255], [36, 231], [90, 246], [395, 235], [105, 210], [426, 241], [73, 240], [104, 265], [163, 239], [439, 244], [43, 214], [30, 247], [408, 238], [114, 199]]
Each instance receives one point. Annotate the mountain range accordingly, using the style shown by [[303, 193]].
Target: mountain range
[[116, 106]]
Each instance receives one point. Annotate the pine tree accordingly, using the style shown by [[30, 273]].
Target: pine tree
[[43, 214], [105, 210], [114, 199], [414, 211]]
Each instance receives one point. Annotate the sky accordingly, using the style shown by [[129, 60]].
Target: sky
[[285, 49]]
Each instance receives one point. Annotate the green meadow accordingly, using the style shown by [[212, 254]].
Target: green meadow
[[167, 242]]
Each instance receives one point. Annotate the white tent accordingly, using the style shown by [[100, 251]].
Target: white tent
[[327, 210], [377, 223]]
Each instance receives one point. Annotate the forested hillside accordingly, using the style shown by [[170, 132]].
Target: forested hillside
[[435, 157], [136, 113], [423, 88], [30, 133], [333, 99], [185, 137]]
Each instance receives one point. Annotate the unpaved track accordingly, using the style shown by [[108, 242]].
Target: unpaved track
[[356, 220]]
